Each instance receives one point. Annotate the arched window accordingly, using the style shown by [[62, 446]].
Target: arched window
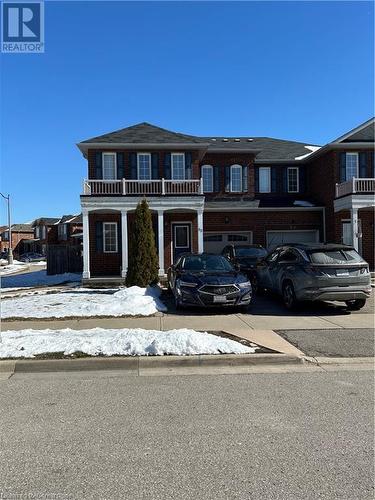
[[208, 178], [236, 178]]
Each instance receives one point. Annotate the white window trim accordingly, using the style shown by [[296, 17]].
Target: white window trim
[[115, 156], [264, 169], [110, 224], [183, 160], [210, 167], [236, 166], [290, 190], [144, 154], [356, 155]]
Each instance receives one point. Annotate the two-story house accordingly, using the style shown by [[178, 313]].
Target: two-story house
[[66, 231], [21, 234], [42, 227], [205, 192]]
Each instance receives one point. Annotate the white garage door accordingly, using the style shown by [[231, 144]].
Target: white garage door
[[215, 242], [275, 238]]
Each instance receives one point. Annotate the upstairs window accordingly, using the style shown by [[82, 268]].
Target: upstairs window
[[62, 230], [351, 165], [110, 237], [264, 179], [178, 166], [144, 166], [236, 178], [208, 178], [109, 166], [293, 184]]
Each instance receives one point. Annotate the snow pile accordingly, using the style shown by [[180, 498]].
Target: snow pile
[[312, 150], [125, 342], [11, 268], [38, 278], [84, 302], [302, 203]]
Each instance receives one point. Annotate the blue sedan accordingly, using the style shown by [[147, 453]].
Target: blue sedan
[[208, 280]]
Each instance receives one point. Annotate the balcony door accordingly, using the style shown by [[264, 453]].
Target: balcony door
[[181, 239]]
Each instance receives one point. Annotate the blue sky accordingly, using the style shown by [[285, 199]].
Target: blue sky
[[294, 70]]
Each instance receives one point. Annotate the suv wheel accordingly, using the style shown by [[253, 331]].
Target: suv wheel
[[289, 297], [355, 305]]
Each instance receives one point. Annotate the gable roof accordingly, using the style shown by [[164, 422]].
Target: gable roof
[[19, 228], [362, 133], [46, 221]]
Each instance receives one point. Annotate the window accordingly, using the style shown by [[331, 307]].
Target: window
[[264, 180], [178, 166], [213, 237], [181, 236], [62, 230], [237, 237], [208, 180], [109, 166], [351, 165], [110, 237], [288, 256], [236, 178], [144, 166], [293, 184], [272, 257]]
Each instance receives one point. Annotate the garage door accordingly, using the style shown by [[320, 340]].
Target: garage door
[[275, 238], [215, 242]]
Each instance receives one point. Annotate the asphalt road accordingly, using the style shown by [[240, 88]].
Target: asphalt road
[[339, 342], [260, 436]]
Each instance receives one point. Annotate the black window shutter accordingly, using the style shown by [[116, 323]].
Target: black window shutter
[[256, 171], [133, 165], [342, 167], [302, 179], [188, 166], [273, 179], [227, 179], [284, 179], [99, 237], [167, 165], [120, 165], [155, 165], [217, 179], [363, 164], [98, 166], [245, 174], [119, 239]]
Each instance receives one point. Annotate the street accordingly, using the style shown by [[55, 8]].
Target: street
[[260, 436]]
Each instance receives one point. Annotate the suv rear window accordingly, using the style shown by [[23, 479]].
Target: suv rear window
[[334, 256]]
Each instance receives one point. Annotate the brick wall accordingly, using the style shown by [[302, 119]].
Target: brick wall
[[17, 242], [103, 264]]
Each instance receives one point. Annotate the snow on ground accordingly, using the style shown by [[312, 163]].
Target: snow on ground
[[311, 150], [125, 342], [37, 278], [11, 268], [83, 302]]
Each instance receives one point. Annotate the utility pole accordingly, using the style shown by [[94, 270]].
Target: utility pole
[[10, 250]]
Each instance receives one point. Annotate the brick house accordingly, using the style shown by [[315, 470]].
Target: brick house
[[42, 227], [207, 191], [21, 235], [66, 231]]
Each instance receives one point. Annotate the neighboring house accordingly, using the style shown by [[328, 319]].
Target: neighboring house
[[42, 227], [205, 192], [67, 230], [21, 234], [64, 248]]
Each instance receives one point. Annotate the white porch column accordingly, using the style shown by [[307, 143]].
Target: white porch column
[[124, 243], [86, 245], [200, 230], [161, 241], [355, 229]]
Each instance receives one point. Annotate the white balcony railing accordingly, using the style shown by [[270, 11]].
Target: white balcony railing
[[355, 186], [128, 187]]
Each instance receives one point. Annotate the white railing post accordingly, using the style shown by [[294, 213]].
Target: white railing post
[[163, 186], [123, 186], [353, 184], [337, 190], [201, 185]]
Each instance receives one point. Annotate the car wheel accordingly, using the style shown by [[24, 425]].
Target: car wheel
[[355, 305], [289, 297]]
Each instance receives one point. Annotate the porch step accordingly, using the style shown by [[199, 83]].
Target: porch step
[[103, 282]]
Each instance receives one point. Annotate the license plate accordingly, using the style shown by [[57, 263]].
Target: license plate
[[342, 272], [220, 298]]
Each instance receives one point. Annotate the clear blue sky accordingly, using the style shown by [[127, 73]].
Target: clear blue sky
[[293, 70]]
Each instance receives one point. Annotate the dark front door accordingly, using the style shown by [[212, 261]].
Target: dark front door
[[181, 239]]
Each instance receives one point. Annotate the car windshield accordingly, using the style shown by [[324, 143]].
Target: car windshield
[[335, 256], [250, 252], [206, 263]]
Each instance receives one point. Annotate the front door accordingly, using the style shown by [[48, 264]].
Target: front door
[[181, 234]]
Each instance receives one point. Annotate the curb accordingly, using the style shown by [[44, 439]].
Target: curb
[[133, 365]]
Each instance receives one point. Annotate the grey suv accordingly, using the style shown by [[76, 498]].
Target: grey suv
[[301, 272]]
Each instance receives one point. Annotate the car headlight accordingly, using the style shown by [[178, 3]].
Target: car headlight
[[245, 284], [187, 283]]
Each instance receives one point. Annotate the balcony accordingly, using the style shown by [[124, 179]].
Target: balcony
[[159, 187], [355, 186]]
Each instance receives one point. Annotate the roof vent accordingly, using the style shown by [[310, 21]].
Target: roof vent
[[225, 140], [237, 140], [250, 140]]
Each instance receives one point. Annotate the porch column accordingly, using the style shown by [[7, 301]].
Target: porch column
[[355, 229], [200, 231], [161, 241], [86, 245], [124, 243]]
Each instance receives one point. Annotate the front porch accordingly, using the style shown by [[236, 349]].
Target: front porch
[[178, 227]]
